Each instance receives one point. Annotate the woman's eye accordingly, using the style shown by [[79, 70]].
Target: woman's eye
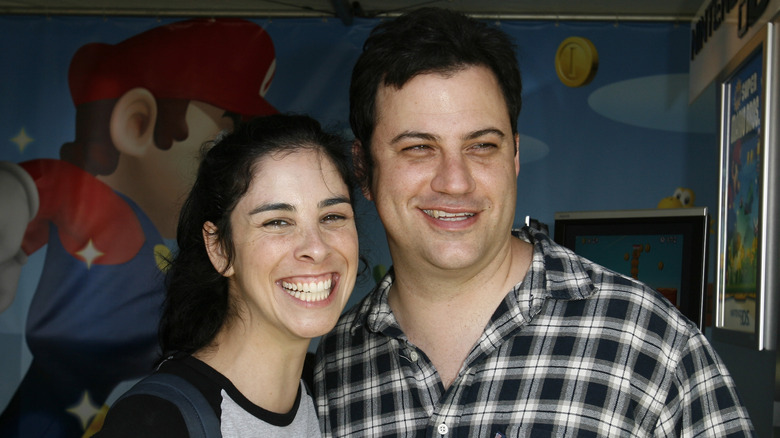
[[333, 218]]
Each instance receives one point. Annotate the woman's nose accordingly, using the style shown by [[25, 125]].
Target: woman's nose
[[312, 246]]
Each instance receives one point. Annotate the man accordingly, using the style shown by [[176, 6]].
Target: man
[[475, 331], [144, 108]]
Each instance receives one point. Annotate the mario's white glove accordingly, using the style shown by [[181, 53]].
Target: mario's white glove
[[18, 206]]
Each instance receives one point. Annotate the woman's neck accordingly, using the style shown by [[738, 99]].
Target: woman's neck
[[266, 371]]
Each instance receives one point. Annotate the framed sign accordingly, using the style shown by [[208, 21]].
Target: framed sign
[[747, 241]]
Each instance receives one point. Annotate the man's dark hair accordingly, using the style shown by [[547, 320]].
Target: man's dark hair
[[197, 303], [426, 40]]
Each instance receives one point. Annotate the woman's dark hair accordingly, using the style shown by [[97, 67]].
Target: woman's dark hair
[[197, 303], [426, 40]]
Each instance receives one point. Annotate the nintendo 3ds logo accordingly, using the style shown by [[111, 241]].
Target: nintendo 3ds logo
[[742, 315]]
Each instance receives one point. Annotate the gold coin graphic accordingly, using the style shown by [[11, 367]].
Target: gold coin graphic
[[576, 61]]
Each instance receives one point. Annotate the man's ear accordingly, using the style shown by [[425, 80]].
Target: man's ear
[[517, 155], [132, 122], [361, 168], [215, 250]]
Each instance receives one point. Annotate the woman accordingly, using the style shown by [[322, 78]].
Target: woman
[[267, 259]]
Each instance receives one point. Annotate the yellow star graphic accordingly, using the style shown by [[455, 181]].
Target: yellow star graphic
[[22, 140], [84, 410], [162, 255], [89, 253]]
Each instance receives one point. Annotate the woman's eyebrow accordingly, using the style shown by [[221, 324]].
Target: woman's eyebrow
[[271, 207], [283, 206], [334, 201]]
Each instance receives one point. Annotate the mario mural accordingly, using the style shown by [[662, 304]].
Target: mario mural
[[104, 209], [95, 218]]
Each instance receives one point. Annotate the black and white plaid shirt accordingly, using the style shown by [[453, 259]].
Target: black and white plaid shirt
[[573, 350]]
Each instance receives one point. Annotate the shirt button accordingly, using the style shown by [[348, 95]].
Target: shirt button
[[443, 429], [413, 356]]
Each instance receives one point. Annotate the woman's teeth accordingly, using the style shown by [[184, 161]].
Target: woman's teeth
[[309, 292]]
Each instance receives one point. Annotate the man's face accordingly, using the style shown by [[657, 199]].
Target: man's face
[[445, 170]]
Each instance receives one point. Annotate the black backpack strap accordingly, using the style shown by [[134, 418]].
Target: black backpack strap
[[201, 420]]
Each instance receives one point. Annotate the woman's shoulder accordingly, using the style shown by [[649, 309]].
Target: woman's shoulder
[[143, 415]]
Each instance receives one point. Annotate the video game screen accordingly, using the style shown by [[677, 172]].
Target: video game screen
[[654, 259], [664, 248]]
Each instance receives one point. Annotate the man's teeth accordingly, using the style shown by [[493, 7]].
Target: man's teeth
[[309, 292], [438, 214]]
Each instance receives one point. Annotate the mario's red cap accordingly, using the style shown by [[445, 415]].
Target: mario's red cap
[[228, 63]]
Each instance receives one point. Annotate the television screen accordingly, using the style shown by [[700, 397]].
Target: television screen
[[663, 248]]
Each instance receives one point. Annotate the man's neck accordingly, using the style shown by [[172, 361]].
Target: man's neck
[[446, 316]]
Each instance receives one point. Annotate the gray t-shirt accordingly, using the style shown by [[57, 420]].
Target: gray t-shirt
[[238, 423]]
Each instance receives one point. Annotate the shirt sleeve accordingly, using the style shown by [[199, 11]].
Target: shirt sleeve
[[143, 415], [703, 399]]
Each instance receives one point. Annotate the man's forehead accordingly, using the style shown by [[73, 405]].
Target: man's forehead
[[426, 108]]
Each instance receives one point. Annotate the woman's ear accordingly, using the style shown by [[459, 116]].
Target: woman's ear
[[215, 250], [361, 168], [132, 122]]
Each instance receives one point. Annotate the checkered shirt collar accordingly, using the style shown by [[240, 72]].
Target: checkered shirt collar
[[555, 273]]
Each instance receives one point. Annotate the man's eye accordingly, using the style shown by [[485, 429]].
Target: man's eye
[[417, 147], [276, 223]]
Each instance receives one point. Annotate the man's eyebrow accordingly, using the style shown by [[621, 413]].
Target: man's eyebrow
[[413, 135], [486, 131], [271, 207]]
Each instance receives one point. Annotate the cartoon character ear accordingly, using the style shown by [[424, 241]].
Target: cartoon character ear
[[132, 122], [215, 250], [361, 168]]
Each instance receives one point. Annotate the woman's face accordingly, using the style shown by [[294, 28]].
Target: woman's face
[[296, 246]]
